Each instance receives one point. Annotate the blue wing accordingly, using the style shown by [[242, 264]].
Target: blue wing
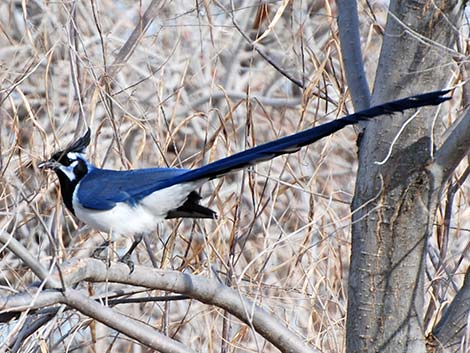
[[101, 189]]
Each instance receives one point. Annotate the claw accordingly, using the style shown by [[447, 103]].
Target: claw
[[126, 259]]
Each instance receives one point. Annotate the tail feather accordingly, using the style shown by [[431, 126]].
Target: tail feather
[[294, 142], [192, 209]]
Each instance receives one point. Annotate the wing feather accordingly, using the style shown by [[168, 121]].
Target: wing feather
[[101, 189]]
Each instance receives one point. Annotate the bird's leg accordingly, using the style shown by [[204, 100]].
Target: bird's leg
[[126, 259], [97, 253], [102, 252]]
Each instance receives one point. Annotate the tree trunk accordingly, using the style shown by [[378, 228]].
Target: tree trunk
[[395, 201]]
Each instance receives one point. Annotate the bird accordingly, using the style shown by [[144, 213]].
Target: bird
[[134, 202]]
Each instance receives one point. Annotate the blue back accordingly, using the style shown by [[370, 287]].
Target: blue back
[[101, 189]]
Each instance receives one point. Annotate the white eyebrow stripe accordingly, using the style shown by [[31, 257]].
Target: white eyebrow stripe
[[74, 155]]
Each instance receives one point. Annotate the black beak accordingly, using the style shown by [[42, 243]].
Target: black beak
[[50, 164]]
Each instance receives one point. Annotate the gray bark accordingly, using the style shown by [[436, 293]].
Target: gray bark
[[395, 201], [447, 335]]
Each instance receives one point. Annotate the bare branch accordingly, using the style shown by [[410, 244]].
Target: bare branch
[[236, 95], [139, 331], [33, 299], [453, 150], [259, 49], [128, 48], [450, 328], [145, 334], [202, 289], [31, 325], [351, 54], [19, 250]]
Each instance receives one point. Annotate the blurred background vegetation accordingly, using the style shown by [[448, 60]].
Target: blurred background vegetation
[[192, 89]]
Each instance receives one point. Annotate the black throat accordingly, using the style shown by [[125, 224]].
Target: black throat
[[67, 186]]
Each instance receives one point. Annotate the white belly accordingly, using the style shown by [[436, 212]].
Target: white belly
[[144, 217]]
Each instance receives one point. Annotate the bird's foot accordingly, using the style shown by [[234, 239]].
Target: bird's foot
[[126, 259], [98, 252]]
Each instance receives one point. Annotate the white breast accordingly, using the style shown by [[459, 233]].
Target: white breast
[[144, 217]]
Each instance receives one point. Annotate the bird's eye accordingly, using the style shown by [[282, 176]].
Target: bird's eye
[[62, 158]]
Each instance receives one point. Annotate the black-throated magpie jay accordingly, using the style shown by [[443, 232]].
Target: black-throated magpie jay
[[133, 202]]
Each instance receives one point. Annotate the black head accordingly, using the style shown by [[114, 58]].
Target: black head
[[71, 166]]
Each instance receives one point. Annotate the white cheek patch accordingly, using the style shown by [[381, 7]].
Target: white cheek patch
[[68, 170]]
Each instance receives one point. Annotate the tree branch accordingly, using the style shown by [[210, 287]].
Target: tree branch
[[19, 250], [453, 150], [202, 289], [143, 333], [139, 331], [128, 48], [259, 50], [351, 55], [449, 330]]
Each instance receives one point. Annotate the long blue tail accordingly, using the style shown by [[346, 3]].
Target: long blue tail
[[294, 142]]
